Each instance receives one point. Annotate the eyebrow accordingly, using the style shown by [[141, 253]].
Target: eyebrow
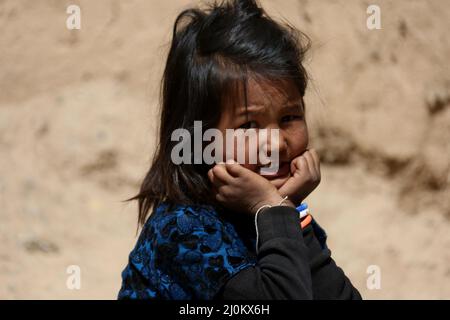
[[258, 108], [293, 106]]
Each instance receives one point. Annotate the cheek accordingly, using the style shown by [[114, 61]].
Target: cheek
[[297, 141]]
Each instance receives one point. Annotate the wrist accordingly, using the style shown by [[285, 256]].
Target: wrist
[[295, 201], [273, 201], [288, 203], [266, 203]]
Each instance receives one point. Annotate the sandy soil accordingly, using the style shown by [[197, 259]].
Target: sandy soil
[[77, 126]]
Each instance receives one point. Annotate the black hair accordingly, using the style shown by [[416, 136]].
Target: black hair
[[213, 53]]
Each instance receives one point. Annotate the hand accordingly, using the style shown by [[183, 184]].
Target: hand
[[305, 178], [240, 189]]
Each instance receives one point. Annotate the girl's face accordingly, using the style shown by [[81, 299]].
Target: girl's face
[[271, 107]]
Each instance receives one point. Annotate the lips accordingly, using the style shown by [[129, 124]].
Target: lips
[[283, 171]]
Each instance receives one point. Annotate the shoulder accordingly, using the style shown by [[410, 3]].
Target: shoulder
[[189, 235], [168, 221], [193, 247]]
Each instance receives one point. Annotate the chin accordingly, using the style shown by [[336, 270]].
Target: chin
[[281, 176]]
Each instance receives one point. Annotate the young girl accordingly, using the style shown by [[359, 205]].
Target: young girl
[[233, 230]]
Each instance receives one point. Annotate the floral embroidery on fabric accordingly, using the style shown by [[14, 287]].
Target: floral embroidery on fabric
[[183, 254]]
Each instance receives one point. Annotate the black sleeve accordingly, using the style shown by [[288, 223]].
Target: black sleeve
[[290, 265], [328, 280], [282, 271]]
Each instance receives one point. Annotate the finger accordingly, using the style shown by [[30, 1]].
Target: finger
[[215, 181], [302, 166], [220, 198], [211, 175], [235, 169], [294, 166], [311, 165], [220, 172]]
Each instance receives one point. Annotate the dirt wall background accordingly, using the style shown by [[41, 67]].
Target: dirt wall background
[[77, 126]]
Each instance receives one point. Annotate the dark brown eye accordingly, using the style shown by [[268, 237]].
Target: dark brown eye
[[291, 118], [249, 125]]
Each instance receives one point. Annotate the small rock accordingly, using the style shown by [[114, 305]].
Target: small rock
[[437, 99], [40, 245], [403, 29]]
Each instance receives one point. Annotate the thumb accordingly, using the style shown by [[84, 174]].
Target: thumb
[[286, 189], [235, 169]]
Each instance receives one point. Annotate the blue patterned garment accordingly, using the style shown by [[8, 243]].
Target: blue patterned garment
[[187, 253]]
